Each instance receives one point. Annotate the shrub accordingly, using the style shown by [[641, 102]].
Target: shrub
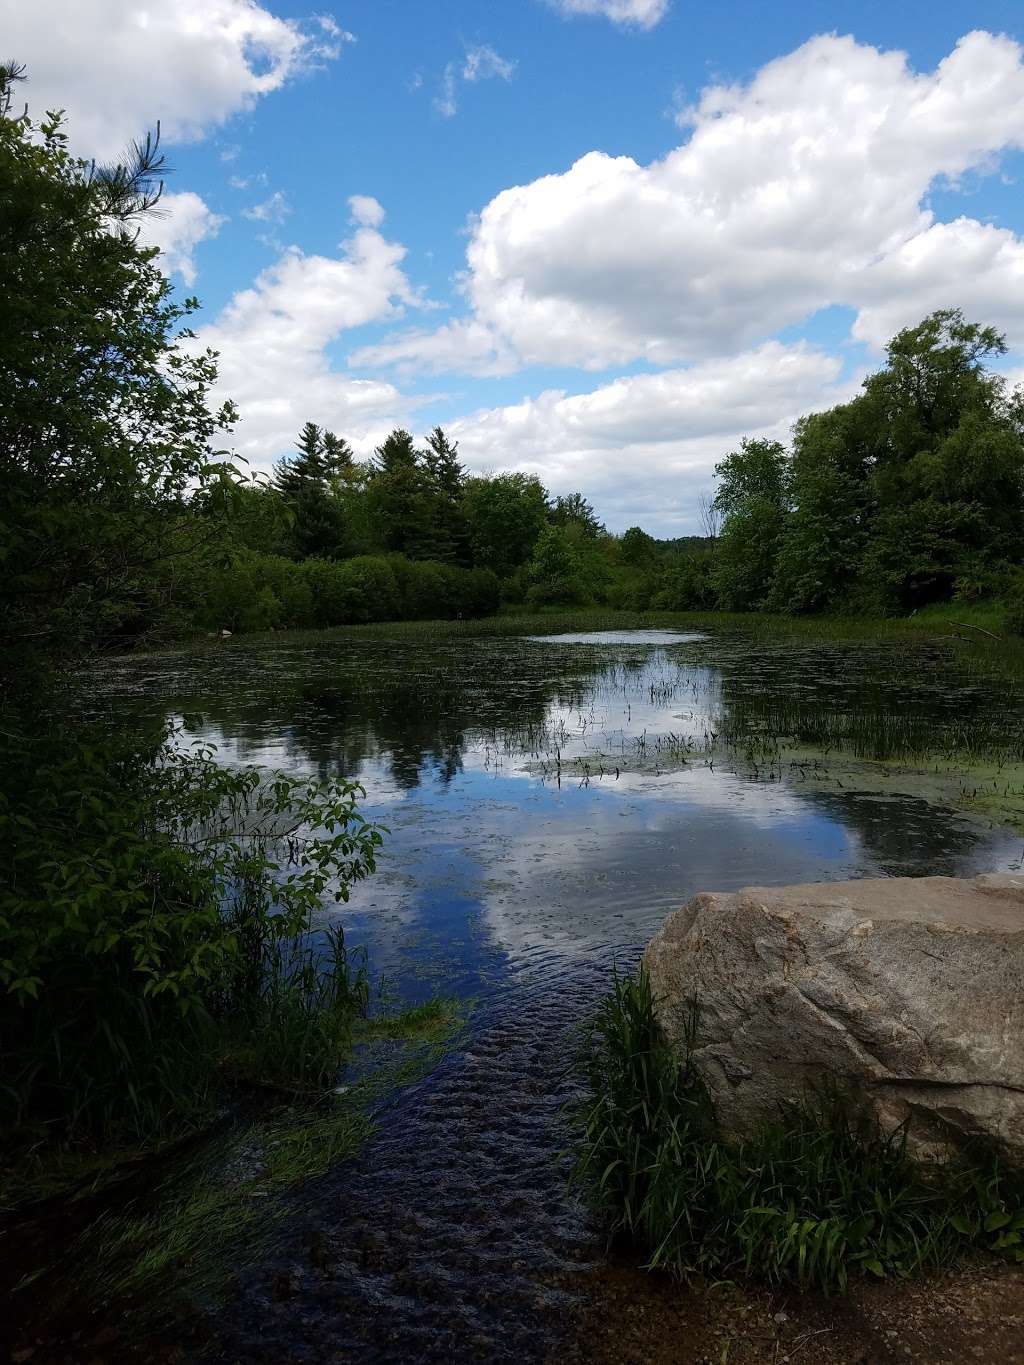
[[149, 900]]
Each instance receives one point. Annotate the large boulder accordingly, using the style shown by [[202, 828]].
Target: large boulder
[[906, 991]]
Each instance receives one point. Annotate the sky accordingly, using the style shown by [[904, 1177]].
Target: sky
[[597, 240]]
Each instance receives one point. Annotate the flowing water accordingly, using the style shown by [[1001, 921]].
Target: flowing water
[[549, 800]]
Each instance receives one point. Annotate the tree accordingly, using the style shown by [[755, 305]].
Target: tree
[[307, 483], [637, 548], [322, 457], [106, 430], [337, 456], [752, 497], [449, 539], [140, 901], [555, 569], [573, 509], [506, 514], [400, 491]]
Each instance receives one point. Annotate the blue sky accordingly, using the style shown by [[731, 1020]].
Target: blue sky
[[620, 320]]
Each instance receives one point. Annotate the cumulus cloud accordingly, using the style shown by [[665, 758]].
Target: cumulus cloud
[[272, 341], [177, 228], [117, 68], [629, 13], [964, 263], [644, 447], [805, 188], [365, 210]]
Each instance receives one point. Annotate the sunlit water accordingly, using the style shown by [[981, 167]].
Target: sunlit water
[[549, 801]]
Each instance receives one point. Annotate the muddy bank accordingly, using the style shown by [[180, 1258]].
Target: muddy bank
[[631, 1317]]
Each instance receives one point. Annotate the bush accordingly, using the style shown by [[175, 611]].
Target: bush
[[815, 1197], [149, 902], [262, 592]]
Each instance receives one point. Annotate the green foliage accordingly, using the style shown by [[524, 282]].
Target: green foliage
[[556, 570], [506, 515], [266, 592], [684, 584], [812, 1199], [449, 539], [144, 897], [573, 511], [752, 496], [105, 427], [638, 548], [911, 493], [149, 899]]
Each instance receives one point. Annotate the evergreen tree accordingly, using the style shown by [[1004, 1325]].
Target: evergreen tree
[[401, 493], [336, 456], [450, 530], [307, 466], [318, 523]]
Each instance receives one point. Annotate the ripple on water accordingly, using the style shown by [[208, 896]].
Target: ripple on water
[[453, 1237]]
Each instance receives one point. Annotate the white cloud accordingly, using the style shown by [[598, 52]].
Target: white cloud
[[180, 223], [117, 67], [445, 102], [643, 447], [272, 341], [481, 63], [273, 210], [463, 344], [803, 189], [365, 210], [629, 13], [965, 264]]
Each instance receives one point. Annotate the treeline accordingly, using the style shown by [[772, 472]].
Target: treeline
[[407, 534], [912, 493]]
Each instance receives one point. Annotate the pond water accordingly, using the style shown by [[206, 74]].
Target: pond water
[[549, 801]]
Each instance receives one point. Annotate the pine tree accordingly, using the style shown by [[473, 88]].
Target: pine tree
[[304, 481], [336, 456], [450, 540], [402, 494], [307, 466]]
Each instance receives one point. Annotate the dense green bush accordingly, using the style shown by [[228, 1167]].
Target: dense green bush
[[264, 592], [812, 1199], [146, 901]]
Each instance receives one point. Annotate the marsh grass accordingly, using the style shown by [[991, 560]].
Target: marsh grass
[[818, 1196], [166, 1245]]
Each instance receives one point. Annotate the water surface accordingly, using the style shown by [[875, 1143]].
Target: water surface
[[549, 800]]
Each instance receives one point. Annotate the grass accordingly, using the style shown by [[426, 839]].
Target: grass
[[819, 1196], [150, 1254]]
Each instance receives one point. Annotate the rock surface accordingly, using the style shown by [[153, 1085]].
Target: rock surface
[[908, 990]]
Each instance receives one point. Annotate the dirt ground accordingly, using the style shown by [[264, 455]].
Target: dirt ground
[[956, 1318]]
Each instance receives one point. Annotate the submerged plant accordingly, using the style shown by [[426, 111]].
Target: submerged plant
[[812, 1198]]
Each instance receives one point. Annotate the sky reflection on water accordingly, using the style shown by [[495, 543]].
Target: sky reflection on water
[[559, 800]]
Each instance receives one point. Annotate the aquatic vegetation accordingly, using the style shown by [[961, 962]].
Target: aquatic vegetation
[[165, 1240], [813, 1199]]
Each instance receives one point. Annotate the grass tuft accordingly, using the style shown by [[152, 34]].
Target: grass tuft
[[812, 1199]]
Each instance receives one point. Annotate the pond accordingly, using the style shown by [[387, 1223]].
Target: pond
[[549, 800]]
